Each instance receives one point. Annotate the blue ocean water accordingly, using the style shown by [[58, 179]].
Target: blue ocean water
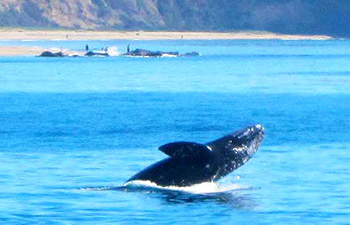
[[74, 129]]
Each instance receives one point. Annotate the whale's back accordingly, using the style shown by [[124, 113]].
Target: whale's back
[[178, 172]]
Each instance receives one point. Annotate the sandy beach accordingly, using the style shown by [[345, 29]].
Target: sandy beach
[[30, 51], [19, 51], [13, 34], [64, 35]]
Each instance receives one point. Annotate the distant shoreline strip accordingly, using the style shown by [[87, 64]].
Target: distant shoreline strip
[[62, 35]]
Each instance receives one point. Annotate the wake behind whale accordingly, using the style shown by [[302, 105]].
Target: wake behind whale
[[234, 195], [204, 188]]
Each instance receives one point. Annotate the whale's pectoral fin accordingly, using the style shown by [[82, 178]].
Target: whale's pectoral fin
[[185, 149]]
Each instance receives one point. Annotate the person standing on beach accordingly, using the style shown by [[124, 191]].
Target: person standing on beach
[[128, 49]]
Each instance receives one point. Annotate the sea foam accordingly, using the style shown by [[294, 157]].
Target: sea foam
[[202, 188]]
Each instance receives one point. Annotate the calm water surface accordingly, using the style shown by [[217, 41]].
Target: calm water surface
[[74, 129]]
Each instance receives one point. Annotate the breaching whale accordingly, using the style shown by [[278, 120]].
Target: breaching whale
[[193, 163]]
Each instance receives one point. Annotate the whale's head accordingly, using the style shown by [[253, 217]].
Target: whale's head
[[237, 148]]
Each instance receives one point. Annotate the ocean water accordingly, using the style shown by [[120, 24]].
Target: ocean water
[[72, 130]]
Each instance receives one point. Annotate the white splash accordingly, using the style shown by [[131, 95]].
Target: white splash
[[169, 55], [113, 51], [203, 188]]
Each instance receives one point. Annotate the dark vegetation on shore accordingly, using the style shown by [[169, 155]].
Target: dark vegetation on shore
[[288, 16]]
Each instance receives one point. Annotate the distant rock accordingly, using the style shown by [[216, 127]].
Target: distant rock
[[148, 53], [51, 54], [97, 53], [188, 54]]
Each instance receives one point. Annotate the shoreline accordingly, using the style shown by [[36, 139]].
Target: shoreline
[[20, 51], [30, 51], [11, 34], [33, 35]]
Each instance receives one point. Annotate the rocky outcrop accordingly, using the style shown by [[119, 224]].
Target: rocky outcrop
[[288, 16]]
